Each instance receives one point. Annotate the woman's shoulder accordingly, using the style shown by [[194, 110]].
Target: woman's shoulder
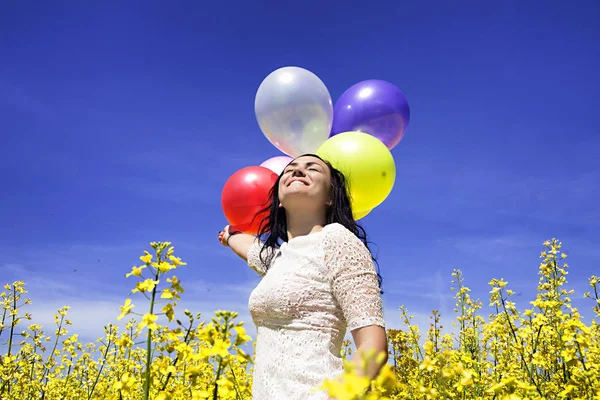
[[337, 232], [335, 227], [341, 244]]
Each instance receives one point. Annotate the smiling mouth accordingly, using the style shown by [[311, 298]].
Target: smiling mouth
[[297, 180]]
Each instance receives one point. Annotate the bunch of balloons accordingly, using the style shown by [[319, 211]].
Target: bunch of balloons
[[294, 111]]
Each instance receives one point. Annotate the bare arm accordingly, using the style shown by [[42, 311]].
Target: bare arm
[[370, 339], [370, 342], [240, 243]]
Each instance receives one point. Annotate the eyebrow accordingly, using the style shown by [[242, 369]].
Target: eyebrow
[[308, 164]]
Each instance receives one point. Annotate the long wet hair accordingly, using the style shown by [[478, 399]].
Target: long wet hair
[[273, 228]]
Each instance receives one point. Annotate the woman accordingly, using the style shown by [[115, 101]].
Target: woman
[[319, 282]]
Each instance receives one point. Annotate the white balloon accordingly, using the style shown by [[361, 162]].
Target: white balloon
[[294, 110]]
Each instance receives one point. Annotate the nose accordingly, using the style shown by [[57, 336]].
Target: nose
[[298, 172]]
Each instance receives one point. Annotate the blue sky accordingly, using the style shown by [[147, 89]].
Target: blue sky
[[120, 124]]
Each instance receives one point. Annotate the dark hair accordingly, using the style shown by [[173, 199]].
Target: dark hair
[[273, 228]]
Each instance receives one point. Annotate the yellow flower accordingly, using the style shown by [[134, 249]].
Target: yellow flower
[[201, 394], [125, 382], [149, 320], [135, 271], [169, 311], [545, 351], [242, 337], [176, 261], [145, 286], [466, 378], [221, 348], [428, 364], [175, 284], [242, 356], [163, 267], [225, 387], [125, 309], [63, 311], [147, 258], [164, 396]]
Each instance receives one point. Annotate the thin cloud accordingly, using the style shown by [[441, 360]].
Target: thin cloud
[[43, 285], [89, 317], [181, 191], [20, 99], [434, 289], [179, 173], [445, 191], [216, 290], [422, 319]]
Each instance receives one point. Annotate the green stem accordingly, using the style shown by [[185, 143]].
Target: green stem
[[51, 359], [2, 325], [12, 324], [235, 381], [81, 377], [185, 340], [68, 374], [583, 364], [149, 344], [415, 342], [3, 386], [520, 348], [102, 365], [32, 373], [216, 389], [12, 329]]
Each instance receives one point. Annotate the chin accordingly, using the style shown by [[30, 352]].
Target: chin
[[299, 202], [293, 192]]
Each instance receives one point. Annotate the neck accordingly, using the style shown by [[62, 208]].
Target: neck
[[304, 223]]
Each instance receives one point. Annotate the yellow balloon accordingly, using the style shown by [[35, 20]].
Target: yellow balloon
[[360, 214], [366, 163]]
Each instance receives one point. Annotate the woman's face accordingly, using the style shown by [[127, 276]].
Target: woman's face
[[305, 183]]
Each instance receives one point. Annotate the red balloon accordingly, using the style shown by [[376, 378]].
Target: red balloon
[[245, 193]]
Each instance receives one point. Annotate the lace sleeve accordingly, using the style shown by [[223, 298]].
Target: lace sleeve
[[353, 278], [254, 260]]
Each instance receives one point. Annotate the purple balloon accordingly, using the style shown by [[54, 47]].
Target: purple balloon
[[375, 107]]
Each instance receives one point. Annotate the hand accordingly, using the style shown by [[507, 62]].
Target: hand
[[224, 235]]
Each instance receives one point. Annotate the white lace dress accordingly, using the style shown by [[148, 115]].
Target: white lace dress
[[316, 288]]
